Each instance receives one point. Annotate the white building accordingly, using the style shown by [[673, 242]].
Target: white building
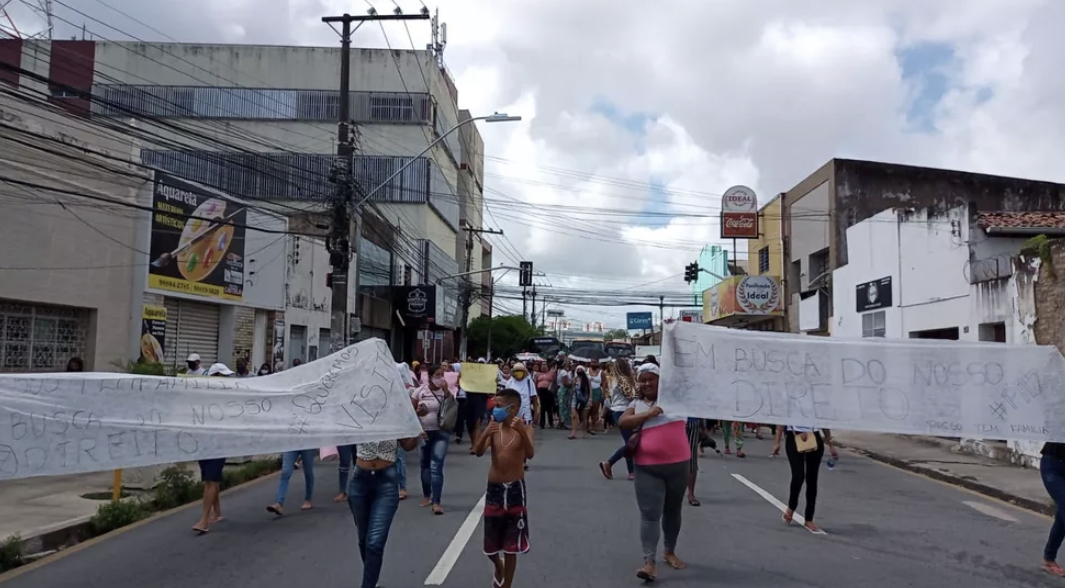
[[939, 276], [260, 122]]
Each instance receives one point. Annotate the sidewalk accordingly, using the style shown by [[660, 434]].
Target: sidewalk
[[34, 506], [943, 460]]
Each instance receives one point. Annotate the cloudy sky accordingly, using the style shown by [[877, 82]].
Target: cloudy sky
[[633, 110]]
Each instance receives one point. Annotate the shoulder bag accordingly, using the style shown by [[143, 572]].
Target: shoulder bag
[[810, 444], [448, 414]]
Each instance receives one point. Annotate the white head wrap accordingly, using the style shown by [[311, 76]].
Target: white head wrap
[[647, 367]]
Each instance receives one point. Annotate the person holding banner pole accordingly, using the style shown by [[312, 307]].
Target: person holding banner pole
[[1052, 470], [659, 447]]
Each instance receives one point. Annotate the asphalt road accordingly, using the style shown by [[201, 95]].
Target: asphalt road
[[885, 528]]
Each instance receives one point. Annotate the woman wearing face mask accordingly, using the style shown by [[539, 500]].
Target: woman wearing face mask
[[661, 459], [427, 399], [265, 369], [523, 383]]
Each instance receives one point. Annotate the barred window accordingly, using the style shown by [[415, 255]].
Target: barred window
[[40, 338]]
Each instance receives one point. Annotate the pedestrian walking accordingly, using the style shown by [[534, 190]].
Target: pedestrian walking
[[564, 379], [622, 393], [1052, 470], [288, 466], [805, 448], [661, 452], [595, 407], [506, 520], [694, 429], [373, 497], [428, 399], [548, 400], [582, 389], [211, 470]]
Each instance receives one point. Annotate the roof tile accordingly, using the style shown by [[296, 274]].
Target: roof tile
[[1021, 220]]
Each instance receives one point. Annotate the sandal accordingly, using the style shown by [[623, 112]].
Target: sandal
[[675, 562], [604, 467], [645, 574], [694, 501], [1053, 569]]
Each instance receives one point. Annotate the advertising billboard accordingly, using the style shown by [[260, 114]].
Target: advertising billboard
[[745, 296], [638, 320], [739, 213], [197, 241]]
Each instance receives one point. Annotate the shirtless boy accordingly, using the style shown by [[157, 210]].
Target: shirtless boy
[[506, 522]]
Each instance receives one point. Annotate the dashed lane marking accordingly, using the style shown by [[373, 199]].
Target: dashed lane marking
[[458, 543], [773, 500]]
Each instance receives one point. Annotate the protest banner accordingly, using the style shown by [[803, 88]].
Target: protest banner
[[946, 388], [53, 424], [479, 377]]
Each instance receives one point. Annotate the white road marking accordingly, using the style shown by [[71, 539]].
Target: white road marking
[[458, 543], [990, 511], [778, 504]]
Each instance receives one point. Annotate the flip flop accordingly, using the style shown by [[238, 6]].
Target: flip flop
[[199, 532], [273, 509], [605, 469], [1053, 569], [644, 575], [694, 502]]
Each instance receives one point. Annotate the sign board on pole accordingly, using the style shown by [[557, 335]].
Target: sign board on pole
[[691, 316], [739, 213], [638, 320]]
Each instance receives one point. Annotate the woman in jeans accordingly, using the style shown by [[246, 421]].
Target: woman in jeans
[[427, 399], [661, 472], [1052, 469], [373, 496], [805, 467], [622, 392], [288, 465]]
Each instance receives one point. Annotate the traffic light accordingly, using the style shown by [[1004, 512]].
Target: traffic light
[[525, 273], [691, 272]]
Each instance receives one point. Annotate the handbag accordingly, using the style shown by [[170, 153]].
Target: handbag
[[448, 415], [810, 444], [633, 444]]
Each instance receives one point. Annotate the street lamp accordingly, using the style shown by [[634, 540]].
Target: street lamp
[[492, 118]]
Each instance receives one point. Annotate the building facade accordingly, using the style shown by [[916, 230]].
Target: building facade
[[818, 211], [260, 123]]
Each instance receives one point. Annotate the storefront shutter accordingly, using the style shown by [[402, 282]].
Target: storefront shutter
[[191, 327]]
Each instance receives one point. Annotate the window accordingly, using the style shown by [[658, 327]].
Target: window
[[874, 324], [40, 338], [763, 260]]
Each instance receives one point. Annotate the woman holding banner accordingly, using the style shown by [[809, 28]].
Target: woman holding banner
[[659, 447]]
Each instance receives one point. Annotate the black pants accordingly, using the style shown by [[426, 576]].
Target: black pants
[[548, 406], [804, 469], [460, 421]]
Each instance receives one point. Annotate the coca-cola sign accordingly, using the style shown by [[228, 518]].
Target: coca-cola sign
[[739, 213], [739, 225]]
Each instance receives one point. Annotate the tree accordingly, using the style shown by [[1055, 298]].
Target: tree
[[617, 335], [510, 335]]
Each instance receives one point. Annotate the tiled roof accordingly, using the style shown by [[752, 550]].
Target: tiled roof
[[1021, 220]]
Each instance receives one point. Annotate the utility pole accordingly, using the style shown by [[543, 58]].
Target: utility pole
[[340, 240], [491, 304], [532, 315], [662, 317], [524, 303], [467, 294]]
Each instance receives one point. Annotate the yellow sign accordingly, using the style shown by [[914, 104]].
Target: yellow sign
[[153, 333], [154, 312], [479, 377], [744, 296]]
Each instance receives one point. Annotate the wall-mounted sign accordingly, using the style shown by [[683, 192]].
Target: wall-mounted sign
[[873, 295], [415, 303], [153, 333], [739, 213], [744, 296], [197, 241]]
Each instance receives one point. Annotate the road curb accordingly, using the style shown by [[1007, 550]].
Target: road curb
[[25, 569], [1044, 508]]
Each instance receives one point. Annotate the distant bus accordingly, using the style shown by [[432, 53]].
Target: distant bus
[[547, 347], [619, 350], [588, 348]]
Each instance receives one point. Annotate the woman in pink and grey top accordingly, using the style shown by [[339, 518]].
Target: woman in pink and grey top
[[661, 471]]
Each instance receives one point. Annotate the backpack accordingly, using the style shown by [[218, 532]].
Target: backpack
[[448, 415]]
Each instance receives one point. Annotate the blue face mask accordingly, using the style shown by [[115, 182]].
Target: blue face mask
[[500, 413]]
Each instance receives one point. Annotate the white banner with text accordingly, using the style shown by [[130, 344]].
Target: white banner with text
[[52, 424], [907, 386]]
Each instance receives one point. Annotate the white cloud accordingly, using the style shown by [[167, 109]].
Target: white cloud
[[759, 93]]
